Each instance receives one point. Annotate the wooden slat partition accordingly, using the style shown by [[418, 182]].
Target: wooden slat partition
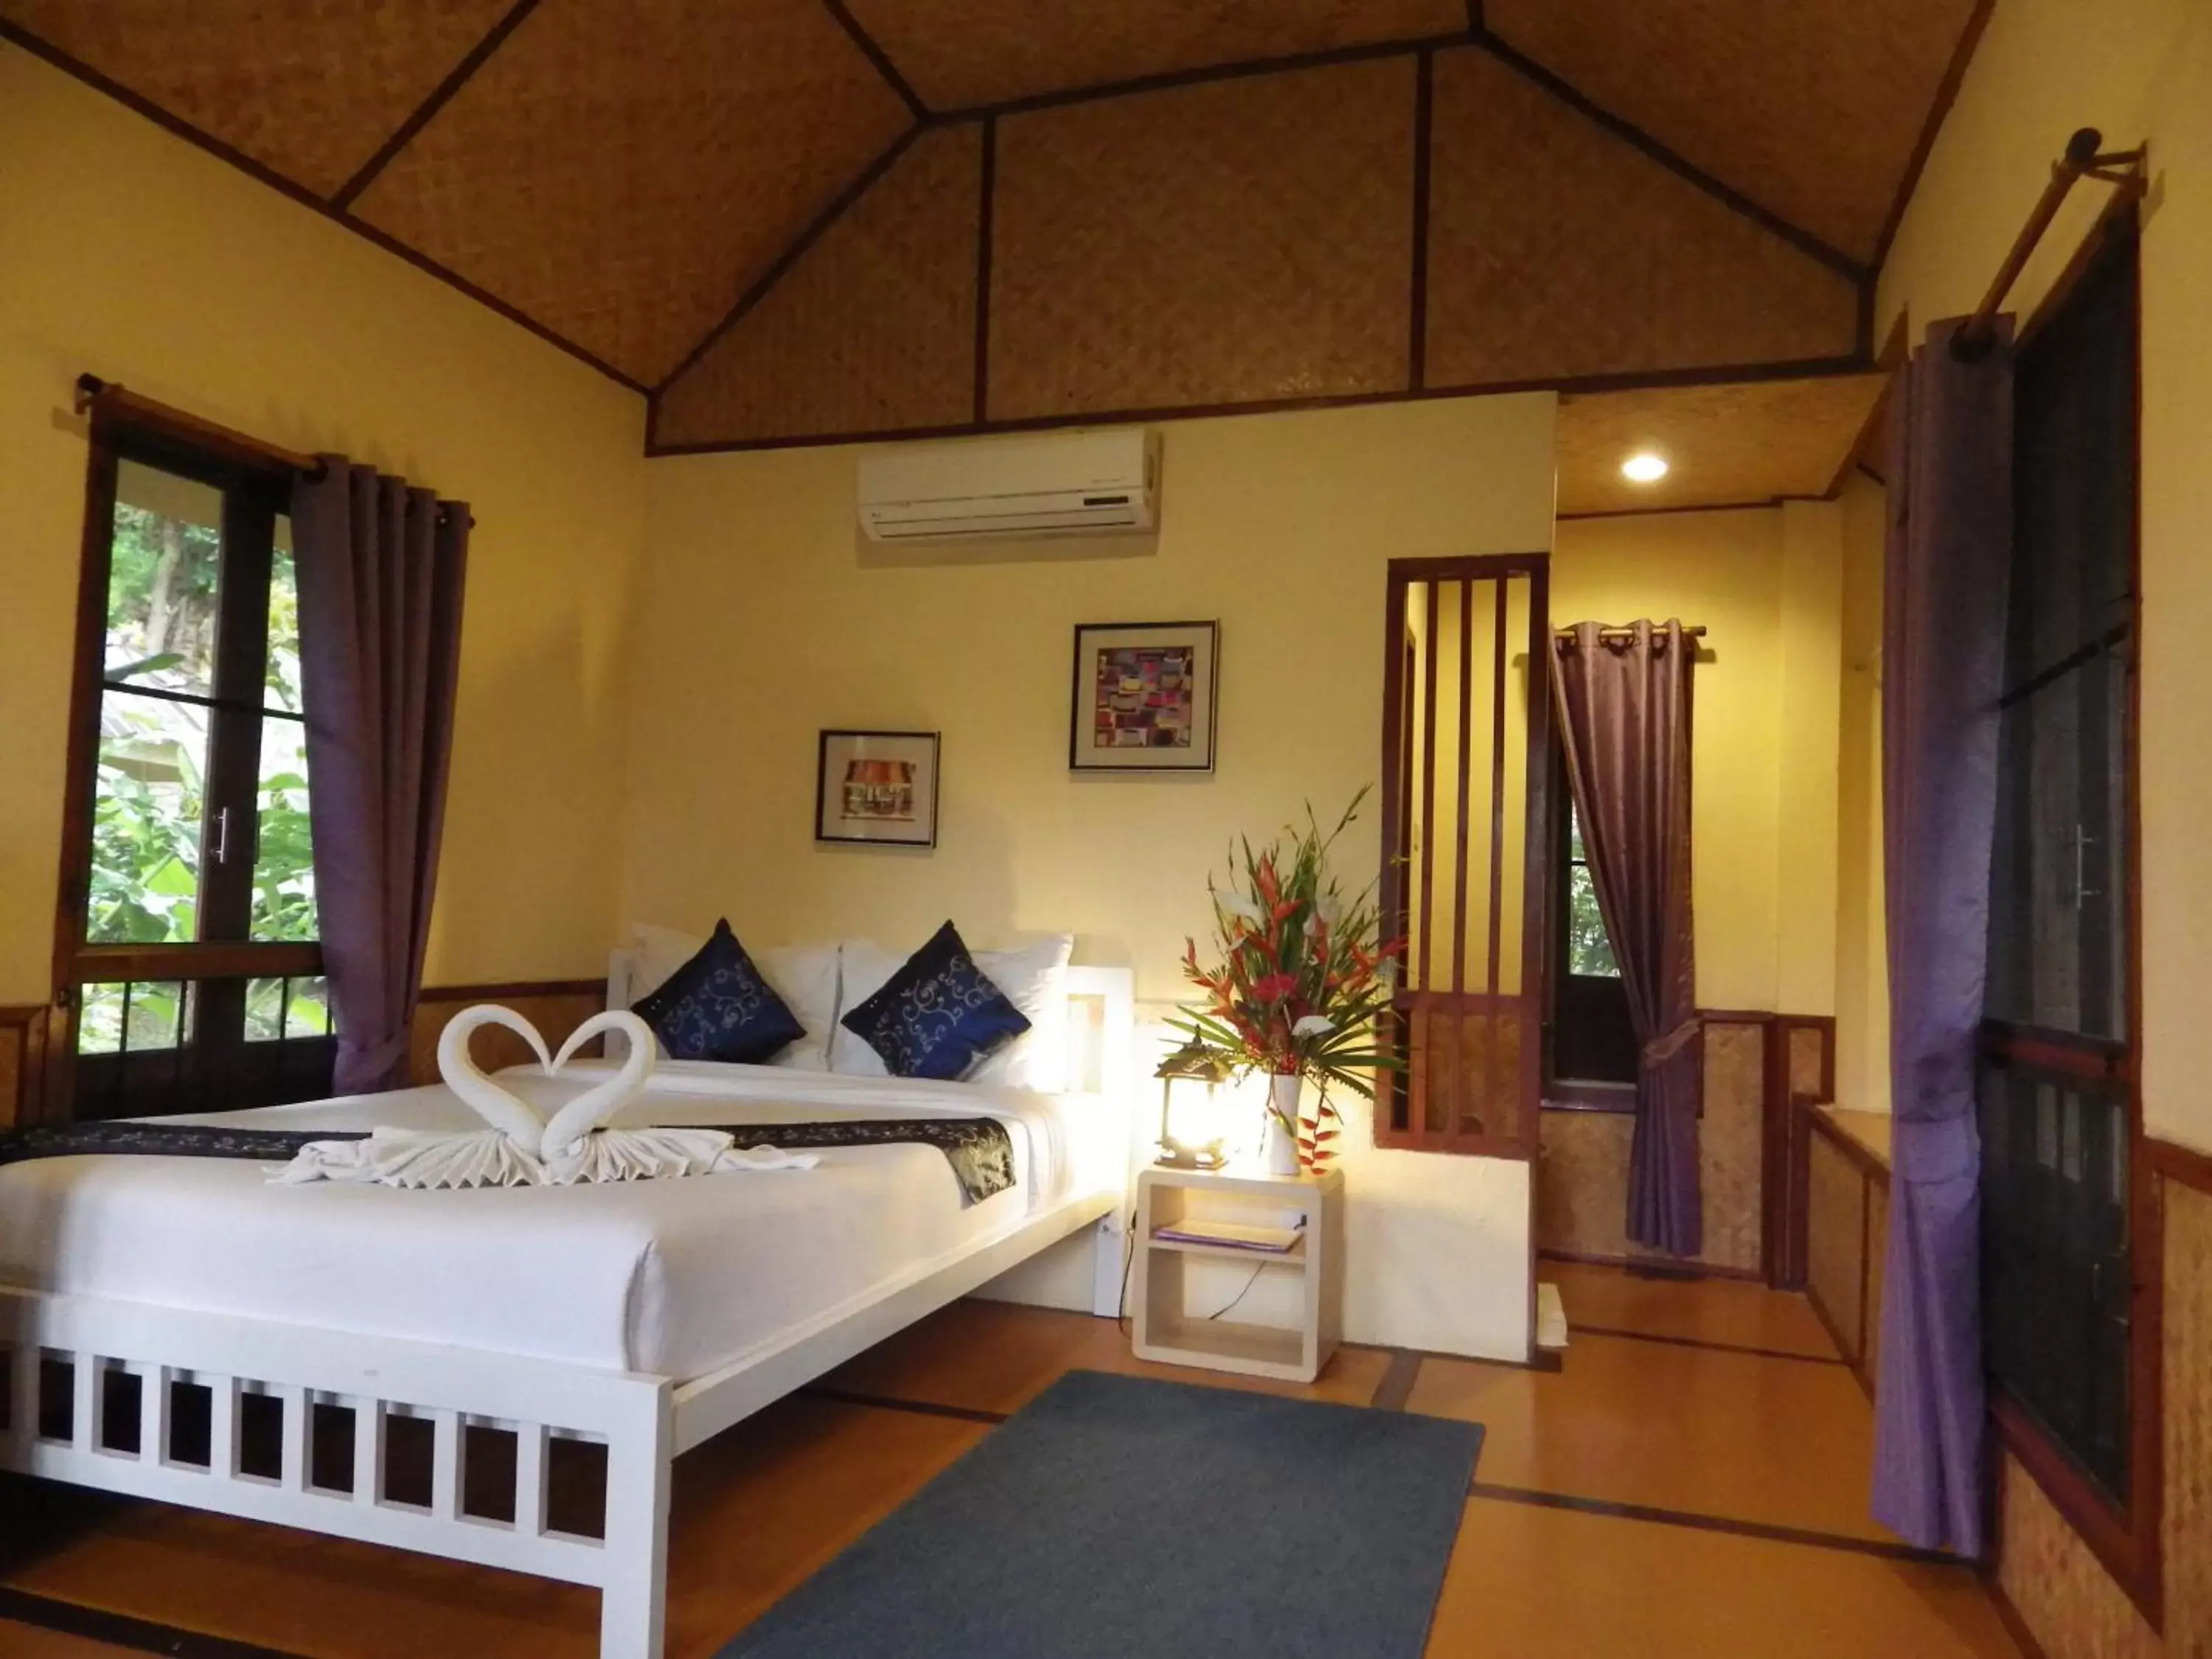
[[1469, 1041]]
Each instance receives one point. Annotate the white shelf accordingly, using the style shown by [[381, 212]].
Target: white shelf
[[1167, 1332], [1295, 1256]]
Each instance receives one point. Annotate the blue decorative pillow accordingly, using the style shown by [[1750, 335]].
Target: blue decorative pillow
[[718, 1006], [937, 1015]]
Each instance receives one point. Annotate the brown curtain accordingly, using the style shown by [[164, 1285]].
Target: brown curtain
[[1624, 708], [380, 568]]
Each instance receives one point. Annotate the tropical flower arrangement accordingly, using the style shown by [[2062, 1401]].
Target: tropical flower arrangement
[[1302, 977]]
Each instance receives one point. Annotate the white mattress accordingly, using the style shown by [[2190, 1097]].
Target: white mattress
[[674, 1278]]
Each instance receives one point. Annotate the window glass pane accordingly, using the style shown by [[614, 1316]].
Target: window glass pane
[[100, 1019], [2073, 470], [2058, 944], [146, 821], [162, 575], [283, 859], [287, 1008], [1590, 951], [158, 1013], [281, 680]]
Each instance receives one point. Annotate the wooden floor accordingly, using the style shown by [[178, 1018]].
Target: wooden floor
[[1691, 1481]]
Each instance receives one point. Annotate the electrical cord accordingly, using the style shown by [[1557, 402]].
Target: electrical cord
[[1240, 1295]]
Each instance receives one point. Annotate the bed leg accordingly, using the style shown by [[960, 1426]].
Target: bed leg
[[1109, 1259], [633, 1597]]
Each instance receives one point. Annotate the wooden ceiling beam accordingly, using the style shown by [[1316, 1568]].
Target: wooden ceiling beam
[[876, 55], [277, 182], [1803, 240], [1946, 93], [758, 289], [440, 95]]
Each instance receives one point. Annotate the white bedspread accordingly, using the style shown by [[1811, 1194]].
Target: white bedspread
[[675, 1278]]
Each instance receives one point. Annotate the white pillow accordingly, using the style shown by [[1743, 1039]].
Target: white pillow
[[1034, 978], [804, 976], [863, 967]]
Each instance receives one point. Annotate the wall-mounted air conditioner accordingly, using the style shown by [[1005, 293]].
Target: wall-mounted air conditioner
[[1055, 483]]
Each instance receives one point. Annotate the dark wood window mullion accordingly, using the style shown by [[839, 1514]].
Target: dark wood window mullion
[[229, 832]]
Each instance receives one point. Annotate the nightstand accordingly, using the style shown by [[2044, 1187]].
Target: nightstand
[[1168, 1333]]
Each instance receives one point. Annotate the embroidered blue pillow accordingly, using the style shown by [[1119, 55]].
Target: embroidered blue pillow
[[937, 1015], [718, 1006]]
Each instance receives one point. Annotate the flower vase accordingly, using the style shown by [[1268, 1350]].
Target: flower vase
[[1278, 1138]]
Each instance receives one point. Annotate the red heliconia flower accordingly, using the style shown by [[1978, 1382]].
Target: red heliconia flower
[[1274, 987]]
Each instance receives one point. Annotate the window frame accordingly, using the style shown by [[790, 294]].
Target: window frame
[[257, 488], [2124, 1536]]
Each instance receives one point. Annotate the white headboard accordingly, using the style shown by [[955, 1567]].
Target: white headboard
[[1101, 1023]]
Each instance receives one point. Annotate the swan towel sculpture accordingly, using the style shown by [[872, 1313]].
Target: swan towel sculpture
[[520, 1149]]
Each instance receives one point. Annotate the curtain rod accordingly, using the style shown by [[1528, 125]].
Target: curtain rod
[[2085, 157], [94, 393], [1697, 633]]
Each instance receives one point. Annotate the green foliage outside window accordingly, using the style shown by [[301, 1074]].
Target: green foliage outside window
[[1589, 949]]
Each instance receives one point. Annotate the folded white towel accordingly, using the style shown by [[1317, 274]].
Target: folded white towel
[[657, 1154], [418, 1157], [520, 1149]]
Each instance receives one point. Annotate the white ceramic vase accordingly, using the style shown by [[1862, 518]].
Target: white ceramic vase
[[1279, 1146]]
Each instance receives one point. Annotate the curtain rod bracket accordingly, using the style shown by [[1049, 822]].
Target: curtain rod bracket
[[2086, 157]]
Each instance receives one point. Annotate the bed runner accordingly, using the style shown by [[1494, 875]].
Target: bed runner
[[979, 1149]]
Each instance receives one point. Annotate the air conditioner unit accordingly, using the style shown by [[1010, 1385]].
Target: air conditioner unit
[[1058, 483]]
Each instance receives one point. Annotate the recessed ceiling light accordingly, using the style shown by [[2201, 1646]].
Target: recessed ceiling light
[[1644, 468]]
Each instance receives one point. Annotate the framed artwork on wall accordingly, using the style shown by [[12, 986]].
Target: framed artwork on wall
[[1143, 697], [877, 787]]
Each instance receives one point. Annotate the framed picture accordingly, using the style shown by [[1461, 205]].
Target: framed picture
[[877, 787], [1143, 697]]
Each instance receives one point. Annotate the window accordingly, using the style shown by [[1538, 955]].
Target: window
[[187, 931], [2056, 1093], [1593, 1037]]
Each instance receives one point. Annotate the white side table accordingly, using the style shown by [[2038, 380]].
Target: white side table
[[1166, 1333]]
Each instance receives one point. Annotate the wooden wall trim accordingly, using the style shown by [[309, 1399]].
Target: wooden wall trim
[[17, 35], [1872, 1167], [32, 1082], [1946, 93], [2176, 1163], [1808, 369]]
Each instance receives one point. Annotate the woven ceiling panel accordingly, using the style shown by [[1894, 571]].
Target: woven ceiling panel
[[310, 90], [1237, 241], [874, 330], [956, 53], [1811, 108], [1725, 445], [1557, 250], [620, 173]]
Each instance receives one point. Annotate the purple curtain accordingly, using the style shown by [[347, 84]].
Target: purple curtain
[[380, 570], [1624, 704], [1944, 633]]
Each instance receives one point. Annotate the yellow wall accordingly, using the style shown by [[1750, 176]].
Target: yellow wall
[[2139, 71], [764, 618], [1861, 966], [126, 252], [1762, 848]]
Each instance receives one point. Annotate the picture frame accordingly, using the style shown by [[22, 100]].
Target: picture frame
[[875, 788], [1144, 698]]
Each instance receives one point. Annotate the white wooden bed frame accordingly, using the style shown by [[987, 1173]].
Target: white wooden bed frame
[[643, 1421]]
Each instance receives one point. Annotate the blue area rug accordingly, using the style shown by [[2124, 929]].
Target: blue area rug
[[1117, 1515]]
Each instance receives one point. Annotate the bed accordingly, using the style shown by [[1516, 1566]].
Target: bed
[[642, 1318]]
